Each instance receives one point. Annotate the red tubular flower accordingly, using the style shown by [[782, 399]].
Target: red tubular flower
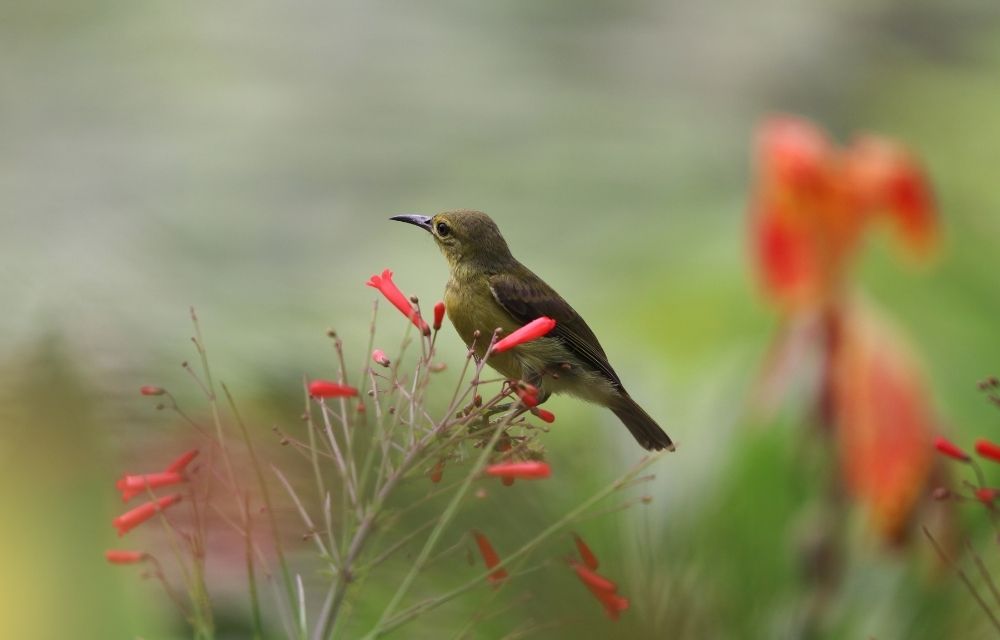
[[438, 315], [150, 390], [988, 450], [588, 557], [490, 557], [392, 293], [593, 580], [528, 470], [531, 331], [614, 604], [602, 589], [528, 393], [948, 448], [131, 486], [180, 464], [437, 471], [544, 416], [132, 519], [986, 495], [328, 389], [379, 357], [118, 556]]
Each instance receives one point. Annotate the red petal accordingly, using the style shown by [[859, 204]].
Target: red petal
[[885, 176], [787, 256], [884, 421]]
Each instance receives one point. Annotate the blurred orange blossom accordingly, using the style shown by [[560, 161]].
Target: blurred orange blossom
[[812, 204]]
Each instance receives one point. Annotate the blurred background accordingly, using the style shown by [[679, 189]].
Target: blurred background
[[243, 158]]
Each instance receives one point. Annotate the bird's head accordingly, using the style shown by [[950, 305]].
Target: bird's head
[[466, 238]]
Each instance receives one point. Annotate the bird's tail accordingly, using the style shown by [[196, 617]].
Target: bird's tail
[[643, 428]]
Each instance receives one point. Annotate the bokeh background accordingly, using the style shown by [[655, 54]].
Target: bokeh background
[[244, 157]]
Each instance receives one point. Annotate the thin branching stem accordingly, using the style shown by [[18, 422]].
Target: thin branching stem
[[964, 578], [385, 626]]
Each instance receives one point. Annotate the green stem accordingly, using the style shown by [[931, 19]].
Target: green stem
[[443, 522], [258, 626], [268, 505], [385, 626]]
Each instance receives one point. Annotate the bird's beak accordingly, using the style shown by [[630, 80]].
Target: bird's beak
[[424, 222]]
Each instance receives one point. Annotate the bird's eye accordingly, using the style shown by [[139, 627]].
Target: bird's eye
[[443, 229]]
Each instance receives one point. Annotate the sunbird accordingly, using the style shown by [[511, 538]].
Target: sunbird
[[490, 289]]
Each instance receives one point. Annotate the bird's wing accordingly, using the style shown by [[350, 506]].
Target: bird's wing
[[526, 297]]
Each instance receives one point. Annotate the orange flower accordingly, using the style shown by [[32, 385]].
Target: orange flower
[[531, 331], [132, 519], [131, 486], [392, 293], [887, 178], [812, 203], [328, 389], [527, 470], [884, 421], [117, 556], [490, 557]]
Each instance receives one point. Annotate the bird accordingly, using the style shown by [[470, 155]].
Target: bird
[[489, 289]]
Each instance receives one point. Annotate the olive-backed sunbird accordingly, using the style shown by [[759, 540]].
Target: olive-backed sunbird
[[490, 289]]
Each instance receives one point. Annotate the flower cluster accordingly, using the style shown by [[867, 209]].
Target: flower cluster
[[813, 202], [133, 485], [360, 453], [978, 492], [811, 206], [603, 589]]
